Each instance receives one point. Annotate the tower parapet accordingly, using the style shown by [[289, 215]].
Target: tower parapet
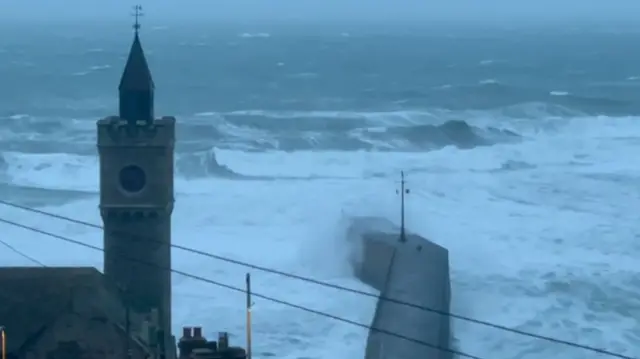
[[141, 154]]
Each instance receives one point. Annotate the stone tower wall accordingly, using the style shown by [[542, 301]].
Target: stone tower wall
[[136, 202]]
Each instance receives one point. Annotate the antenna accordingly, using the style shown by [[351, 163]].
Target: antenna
[[403, 190], [137, 14]]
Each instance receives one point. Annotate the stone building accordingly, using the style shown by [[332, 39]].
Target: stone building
[[68, 313]]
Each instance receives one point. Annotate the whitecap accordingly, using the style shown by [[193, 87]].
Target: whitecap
[[488, 82], [257, 34], [19, 116], [99, 67], [205, 114], [304, 75], [254, 35]]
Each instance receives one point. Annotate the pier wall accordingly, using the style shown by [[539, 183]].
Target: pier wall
[[417, 272]]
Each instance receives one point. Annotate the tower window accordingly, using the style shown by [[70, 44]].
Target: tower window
[[132, 179]]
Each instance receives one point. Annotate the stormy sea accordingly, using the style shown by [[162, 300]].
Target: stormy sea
[[518, 144]]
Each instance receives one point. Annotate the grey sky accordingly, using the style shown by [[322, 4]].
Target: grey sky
[[467, 10]]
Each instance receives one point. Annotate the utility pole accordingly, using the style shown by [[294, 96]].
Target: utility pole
[[127, 319], [162, 343], [249, 305], [403, 191], [3, 338], [124, 294]]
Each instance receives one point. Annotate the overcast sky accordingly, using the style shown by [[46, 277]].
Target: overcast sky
[[479, 10]]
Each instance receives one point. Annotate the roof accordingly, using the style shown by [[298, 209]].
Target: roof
[[136, 75], [34, 297]]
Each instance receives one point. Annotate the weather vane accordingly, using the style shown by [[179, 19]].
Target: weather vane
[[137, 13]]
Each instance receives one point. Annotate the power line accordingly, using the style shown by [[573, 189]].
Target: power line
[[242, 290], [41, 264], [21, 254], [338, 287]]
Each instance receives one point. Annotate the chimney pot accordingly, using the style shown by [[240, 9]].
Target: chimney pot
[[197, 332], [186, 332]]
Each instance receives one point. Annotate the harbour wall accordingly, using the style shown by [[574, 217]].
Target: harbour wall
[[415, 271]]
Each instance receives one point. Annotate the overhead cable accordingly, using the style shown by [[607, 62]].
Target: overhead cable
[[230, 287], [335, 286]]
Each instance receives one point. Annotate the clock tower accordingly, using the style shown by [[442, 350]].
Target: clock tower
[[136, 192]]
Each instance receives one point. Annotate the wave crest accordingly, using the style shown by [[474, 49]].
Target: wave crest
[[348, 131], [456, 133], [203, 164]]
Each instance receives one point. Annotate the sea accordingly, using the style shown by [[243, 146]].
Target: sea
[[517, 142]]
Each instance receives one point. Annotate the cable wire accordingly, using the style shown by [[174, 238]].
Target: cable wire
[[338, 287], [21, 254], [275, 300], [41, 264]]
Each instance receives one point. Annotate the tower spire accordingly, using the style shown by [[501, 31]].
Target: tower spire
[[136, 85], [403, 190]]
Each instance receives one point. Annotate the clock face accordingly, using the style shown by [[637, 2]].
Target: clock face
[[132, 178]]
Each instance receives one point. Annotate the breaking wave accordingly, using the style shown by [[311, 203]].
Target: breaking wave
[[492, 93], [451, 133], [341, 131], [36, 152], [203, 163]]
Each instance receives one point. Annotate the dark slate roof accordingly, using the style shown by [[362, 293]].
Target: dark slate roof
[[33, 297], [136, 75]]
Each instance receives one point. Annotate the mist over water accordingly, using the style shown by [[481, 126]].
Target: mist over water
[[516, 141], [489, 12]]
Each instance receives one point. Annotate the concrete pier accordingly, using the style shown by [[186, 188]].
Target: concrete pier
[[417, 272]]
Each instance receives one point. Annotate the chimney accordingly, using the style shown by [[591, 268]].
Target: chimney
[[185, 345], [197, 332], [223, 340], [154, 317]]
